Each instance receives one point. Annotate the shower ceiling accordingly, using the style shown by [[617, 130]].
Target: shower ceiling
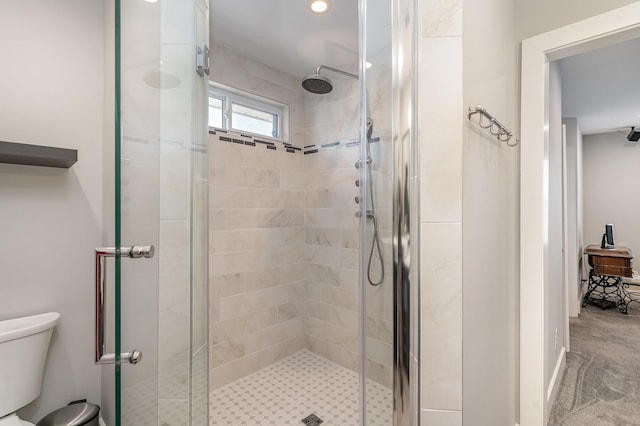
[[288, 36]]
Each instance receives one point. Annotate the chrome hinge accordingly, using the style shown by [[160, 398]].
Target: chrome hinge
[[202, 60]]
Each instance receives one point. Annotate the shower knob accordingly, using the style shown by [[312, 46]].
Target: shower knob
[[359, 162], [369, 215]]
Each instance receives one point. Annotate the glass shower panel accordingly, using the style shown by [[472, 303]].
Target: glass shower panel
[[137, 210], [199, 344], [376, 257], [161, 200]]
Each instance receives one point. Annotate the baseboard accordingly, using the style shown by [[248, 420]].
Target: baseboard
[[554, 384]]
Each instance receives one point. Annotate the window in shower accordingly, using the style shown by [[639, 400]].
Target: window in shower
[[243, 112], [216, 111]]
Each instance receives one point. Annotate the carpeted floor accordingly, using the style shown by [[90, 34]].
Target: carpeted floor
[[602, 382]]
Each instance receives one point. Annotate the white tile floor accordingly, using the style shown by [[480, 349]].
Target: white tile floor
[[295, 387]]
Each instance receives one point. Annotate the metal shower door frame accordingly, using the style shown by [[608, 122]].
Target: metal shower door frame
[[405, 212]]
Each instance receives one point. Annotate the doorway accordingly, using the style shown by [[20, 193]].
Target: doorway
[[538, 370]]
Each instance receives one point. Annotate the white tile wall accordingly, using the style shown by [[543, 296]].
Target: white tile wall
[[441, 310], [256, 256], [440, 418], [331, 310], [440, 129], [441, 18], [332, 240]]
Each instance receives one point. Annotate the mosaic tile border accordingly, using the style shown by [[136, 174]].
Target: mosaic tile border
[[248, 140]]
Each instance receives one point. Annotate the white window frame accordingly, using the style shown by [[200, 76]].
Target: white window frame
[[224, 106], [231, 95]]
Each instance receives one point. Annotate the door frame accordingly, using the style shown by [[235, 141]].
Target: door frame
[[599, 31], [565, 243]]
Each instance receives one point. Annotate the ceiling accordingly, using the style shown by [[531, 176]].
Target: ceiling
[[286, 35], [602, 88]]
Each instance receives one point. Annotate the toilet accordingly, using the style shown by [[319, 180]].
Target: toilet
[[24, 343]]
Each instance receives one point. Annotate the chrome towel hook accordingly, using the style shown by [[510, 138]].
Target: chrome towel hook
[[488, 121]]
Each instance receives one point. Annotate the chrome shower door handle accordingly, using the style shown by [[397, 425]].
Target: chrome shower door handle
[[102, 253]]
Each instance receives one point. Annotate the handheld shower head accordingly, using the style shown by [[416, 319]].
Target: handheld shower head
[[315, 83]]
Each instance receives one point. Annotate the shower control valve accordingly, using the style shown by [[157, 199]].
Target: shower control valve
[[359, 162], [370, 214]]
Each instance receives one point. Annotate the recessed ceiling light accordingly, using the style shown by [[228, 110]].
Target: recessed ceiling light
[[319, 6]]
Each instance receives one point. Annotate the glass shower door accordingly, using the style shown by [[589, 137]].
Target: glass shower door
[[389, 270], [376, 193], [161, 201]]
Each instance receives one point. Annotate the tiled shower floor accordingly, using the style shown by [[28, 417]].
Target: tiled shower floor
[[295, 387]]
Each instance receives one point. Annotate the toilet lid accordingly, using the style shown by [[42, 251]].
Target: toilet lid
[[76, 414]]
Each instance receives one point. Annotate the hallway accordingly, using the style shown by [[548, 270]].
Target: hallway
[[602, 382]]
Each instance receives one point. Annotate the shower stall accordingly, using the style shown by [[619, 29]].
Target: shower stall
[[313, 293], [282, 288]]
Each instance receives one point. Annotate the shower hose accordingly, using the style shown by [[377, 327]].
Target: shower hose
[[375, 244]]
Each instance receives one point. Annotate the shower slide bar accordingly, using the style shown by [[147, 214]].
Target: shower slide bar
[[134, 252], [488, 121]]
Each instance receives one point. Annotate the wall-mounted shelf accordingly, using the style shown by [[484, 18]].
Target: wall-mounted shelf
[[37, 155]]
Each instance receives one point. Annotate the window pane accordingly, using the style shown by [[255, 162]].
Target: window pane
[[215, 113], [253, 120]]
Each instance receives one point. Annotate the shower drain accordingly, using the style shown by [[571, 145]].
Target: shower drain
[[312, 420]]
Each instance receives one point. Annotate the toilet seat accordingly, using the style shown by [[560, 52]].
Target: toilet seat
[[14, 420]]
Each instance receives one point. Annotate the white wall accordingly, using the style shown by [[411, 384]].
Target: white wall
[[50, 219], [610, 168], [490, 197], [536, 17]]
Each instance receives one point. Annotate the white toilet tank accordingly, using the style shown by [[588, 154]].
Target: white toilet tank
[[24, 343]]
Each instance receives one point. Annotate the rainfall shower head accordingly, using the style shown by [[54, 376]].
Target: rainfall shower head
[[320, 85], [317, 84]]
